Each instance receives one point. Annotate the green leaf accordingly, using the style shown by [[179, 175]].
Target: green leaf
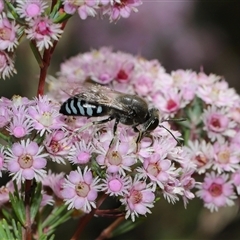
[[18, 208], [126, 226], [56, 8], [59, 18], [7, 231], [36, 201], [5, 138], [17, 229], [37, 54], [11, 9], [6, 214], [58, 215]]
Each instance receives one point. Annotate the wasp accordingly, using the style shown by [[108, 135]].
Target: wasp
[[129, 109]]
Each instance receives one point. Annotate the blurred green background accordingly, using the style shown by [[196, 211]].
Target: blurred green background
[[180, 34]]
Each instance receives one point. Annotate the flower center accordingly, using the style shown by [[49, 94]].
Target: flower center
[[115, 185], [171, 104], [25, 161], [136, 197], [201, 159], [43, 28], [5, 33], [32, 10], [77, 3], [215, 122], [215, 189], [55, 146], [83, 157], [19, 132], [154, 169], [82, 189], [115, 158], [46, 119], [224, 156], [122, 75]]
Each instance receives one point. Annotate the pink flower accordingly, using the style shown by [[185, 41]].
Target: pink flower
[[4, 115], [55, 182], [85, 8], [20, 125], [25, 161], [115, 185], [158, 169], [46, 199], [216, 92], [44, 32], [122, 8], [5, 190], [186, 82], [6, 65], [201, 155], [216, 191], [81, 152], [58, 145], [29, 9], [80, 190], [8, 34], [143, 83], [226, 157], [169, 102], [45, 115], [217, 123], [139, 199], [188, 183], [125, 71], [117, 159]]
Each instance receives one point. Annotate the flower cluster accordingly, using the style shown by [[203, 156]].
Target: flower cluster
[[211, 130], [43, 24], [114, 8], [134, 172], [33, 22], [119, 166]]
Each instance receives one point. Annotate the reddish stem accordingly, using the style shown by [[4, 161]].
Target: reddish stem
[[84, 220], [28, 229], [47, 55], [107, 232]]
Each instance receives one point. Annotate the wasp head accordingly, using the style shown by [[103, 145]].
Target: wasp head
[[152, 120]]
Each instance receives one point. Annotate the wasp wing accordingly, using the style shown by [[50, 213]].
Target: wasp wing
[[98, 94]]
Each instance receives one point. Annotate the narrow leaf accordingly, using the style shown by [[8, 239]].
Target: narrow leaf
[[36, 201]]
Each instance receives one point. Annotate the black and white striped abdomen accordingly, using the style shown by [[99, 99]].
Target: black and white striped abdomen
[[77, 107]]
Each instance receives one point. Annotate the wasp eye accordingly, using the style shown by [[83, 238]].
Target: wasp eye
[[153, 119], [153, 124]]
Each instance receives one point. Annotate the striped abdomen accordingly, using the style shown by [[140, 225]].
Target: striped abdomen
[[77, 107]]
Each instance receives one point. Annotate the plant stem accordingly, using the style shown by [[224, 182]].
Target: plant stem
[[47, 55], [28, 230], [107, 232], [84, 220]]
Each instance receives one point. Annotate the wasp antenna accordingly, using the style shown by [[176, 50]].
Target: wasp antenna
[[175, 120], [171, 134]]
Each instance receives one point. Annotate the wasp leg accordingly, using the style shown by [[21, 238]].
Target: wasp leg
[[110, 118], [140, 136]]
